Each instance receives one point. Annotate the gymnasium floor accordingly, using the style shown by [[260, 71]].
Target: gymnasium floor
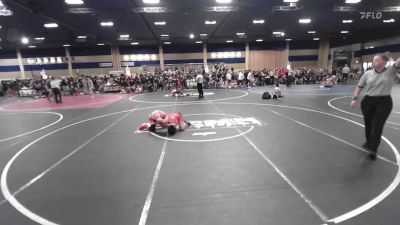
[[292, 161]]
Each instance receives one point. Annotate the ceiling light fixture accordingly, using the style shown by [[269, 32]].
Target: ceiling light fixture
[[151, 1], [100, 44], [66, 45], [210, 22], [352, 1], [199, 42], [81, 37], [290, 1], [288, 39], [347, 21], [223, 1], [161, 23], [191, 36], [229, 41], [24, 40], [305, 20], [135, 43], [240, 34], [39, 38], [107, 24], [258, 21], [167, 43], [51, 25], [316, 39], [259, 40], [344, 32], [124, 36], [312, 32], [389, 21], [74, 2], [31, 46], [164, 35], [203, 35]]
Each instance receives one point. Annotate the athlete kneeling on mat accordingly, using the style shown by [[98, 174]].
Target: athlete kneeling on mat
[[172, 122]]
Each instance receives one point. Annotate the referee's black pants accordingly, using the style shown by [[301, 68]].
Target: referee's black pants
[[200, 90], [376, 110], [57, 95]]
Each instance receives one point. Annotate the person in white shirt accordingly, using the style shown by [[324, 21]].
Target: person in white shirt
[[55, 87], [199, 81], [240, 78], [345, 74]]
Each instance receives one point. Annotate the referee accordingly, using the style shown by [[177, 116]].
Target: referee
[[199, 81], [377, 104]]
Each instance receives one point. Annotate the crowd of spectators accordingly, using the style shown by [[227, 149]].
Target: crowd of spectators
[[218, 76]]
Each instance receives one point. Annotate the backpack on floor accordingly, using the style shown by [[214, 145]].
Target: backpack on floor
[[266, 95]]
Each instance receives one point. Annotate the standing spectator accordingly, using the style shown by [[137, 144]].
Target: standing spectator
[[199, 81], [345, 74], [55, 87], [377, 103]]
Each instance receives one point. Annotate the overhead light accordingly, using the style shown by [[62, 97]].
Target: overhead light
[[312, 32], [107, 24], [389, 21], [167, 43], [81, 37], [31, 46], [100, 44], [344, 32], [162, 23], [259, 40], [191, 36], [0, 27], [347, 21], [278, 34], [51, 25], [66, 45], [290, 1], [316, 39], [39, 38], [74, 2], [305, 20], [370, 47], [352, 1], [258, 21], [4, 11], [223, 1], [164, 35], [151, 1], [24, 40], [135, 43], [124, 36], [240, 34], [288, 39], [203, 35], [199, 42], [229, 41], [210, 22]]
